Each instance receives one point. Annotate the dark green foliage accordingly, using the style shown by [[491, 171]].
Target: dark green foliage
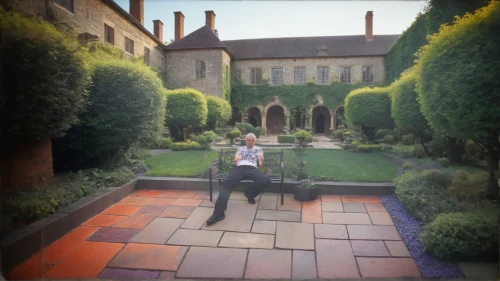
[[404, 151], [470, 189], [188, 145], [286, 139], [205, 140], [339, 134], [126, 107], [388, 139], [425, 196], [186, 108], [382, 133], [165, 143], [370, 109], [258, 131], [408, 139], [44, 79], [369, 147], [470, 236], [233, 134], [218, 110]]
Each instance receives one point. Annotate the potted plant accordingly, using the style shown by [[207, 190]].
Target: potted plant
[[306, 190]]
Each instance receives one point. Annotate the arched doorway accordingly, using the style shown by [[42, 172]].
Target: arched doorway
[[339, 117], [254, 117], [275, 119], [298, 116], [321, 119]]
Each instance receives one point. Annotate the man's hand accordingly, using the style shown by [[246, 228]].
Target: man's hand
[[261, 160], [237, 159]]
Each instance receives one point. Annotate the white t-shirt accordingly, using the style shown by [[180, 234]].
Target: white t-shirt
[[249, 156]]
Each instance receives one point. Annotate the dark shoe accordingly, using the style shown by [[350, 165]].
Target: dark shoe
[[215, 218], [251, 201]]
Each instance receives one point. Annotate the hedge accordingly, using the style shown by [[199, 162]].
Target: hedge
[[186, 108], [286, 139], [369, 108], [218, 109]]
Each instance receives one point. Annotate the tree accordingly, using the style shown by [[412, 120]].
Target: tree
[[218, 110], [457, 84], [186, 108], [370, 109]]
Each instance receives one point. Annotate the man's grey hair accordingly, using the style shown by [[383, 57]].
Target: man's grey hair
[[251, 135]]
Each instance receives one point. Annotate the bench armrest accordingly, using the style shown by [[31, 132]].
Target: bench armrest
[[216, 163]]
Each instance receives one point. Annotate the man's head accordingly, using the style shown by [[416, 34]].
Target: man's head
[[250, 140]]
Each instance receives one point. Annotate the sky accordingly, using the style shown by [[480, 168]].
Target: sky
[[271, 19]]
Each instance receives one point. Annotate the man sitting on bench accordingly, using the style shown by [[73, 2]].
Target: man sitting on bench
[[245, 159]]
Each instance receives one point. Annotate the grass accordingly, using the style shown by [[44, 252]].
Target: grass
[[332, 164]]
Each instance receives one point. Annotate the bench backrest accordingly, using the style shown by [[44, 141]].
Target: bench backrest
[[272, 161]]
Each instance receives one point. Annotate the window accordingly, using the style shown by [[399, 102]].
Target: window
[[345, 74], [201, 69], [147, 56], [322, 75], [109, 34], [300, 75], [66, 4], [129, 46], [277, 76], [255, 75], [367, 73]]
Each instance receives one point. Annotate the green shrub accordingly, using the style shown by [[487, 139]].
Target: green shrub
[[385, 147], [443, 161], [165, 143], [203, 142], [186, 108], [388, 139], [188, 145], [259, 131], [424, 196], [441, 179], [233, 134], [369, 147], [382, 133], [339, 134], [286, 139], [471, 236], [474, 151], [302, 133], [218, 110], [44, 79], [210, 135], [296, 171], [247, 128], [408, 139], [408, 166], [470, 189], [126, 107], [341, 127], [403, 151]]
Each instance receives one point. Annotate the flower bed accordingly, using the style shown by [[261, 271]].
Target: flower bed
[[410, 228]]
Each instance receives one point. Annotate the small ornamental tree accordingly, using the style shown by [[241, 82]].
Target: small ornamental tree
[[186, 108], [457, 81], [370, 109], [218, 110]]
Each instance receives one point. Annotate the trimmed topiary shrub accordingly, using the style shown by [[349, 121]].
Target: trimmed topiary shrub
[[388, 139], [186, 108], [187, 145], [339, 134], [233, 134], [368, 147], [286, 139], [471, 236], [218, 110], [470, 189]]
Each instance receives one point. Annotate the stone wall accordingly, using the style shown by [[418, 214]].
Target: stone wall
[[89, 17], [181, 70], [311, 64]]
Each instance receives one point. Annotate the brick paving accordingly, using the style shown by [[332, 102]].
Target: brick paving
[[157, 234]]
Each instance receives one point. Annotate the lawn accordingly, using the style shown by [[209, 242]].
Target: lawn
[[332, 164]]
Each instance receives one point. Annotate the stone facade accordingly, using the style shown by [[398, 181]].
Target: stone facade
[[89, 16], [181, 70], [311, 64]]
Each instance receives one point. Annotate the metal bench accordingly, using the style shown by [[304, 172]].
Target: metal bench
[[273, 168]]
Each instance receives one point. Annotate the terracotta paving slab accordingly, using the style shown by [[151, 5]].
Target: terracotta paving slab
[[140, 192], [346, 218], [354, 208], [177, 212], [166, 275], [380, 218], [290, 203], [158, 231], [112, 234], [160, 201], [57, 250], [363, 248], [304, 265], [187, 202], [397, 249], [190, 237], [332, 207], [266, 227], [335, 259], [32, 268], [388, 267], [205, 195], [153, 193], [104, 220], [311, 212], [268, 201], [373, 232], [122, 210], [278, 215], [294, 235], [142, 217], [247, 240], [330, 231], [190, 195], [127, 274], [148, 256], [375, 207], [201, 262], [263, 264], [330, 198], [239, 217], [208, 203], [135, 201], [173, 194], [197, 218], [360, 199], [98, 261]]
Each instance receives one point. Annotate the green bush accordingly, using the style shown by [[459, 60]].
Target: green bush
[[210, 135], [370, 109], [369, 147], [385, 147], [471, 236], [470, 189], [441, 179], [259, 131], [44, 79], [183, 146], [403, 151], [165, 143], [388, 139], [218, 110], [126, 107], [203, 142], [445, 162], [424, 196], [382, 133], [186, 108], [233, 134], [286, 139], [408, 139], [341, 127], [474, 151], [302, 133], [339, 134]]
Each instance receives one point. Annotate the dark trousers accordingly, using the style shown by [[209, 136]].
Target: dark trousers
[[238, 174]]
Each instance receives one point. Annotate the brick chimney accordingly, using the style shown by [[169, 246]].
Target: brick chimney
[[158, 29], [210, 19], [137, 10], [369, 25], [179, 25]]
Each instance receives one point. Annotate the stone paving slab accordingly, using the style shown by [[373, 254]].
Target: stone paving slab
[[304, 265], [269, 264], [148, 256], [329, 231], [158, 231], [294, 235], [213, 263], [239, 217], [191, 237], [345, 218], [278, 215], [247, 240], [335, 259], [265, 227], [388, 268]]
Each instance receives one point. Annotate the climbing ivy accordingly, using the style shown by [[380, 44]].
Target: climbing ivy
[[226, 83]]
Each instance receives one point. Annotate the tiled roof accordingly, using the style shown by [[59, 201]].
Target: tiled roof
[[202, 38]]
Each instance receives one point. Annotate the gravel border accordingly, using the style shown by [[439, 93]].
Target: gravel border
[[409, 228]]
